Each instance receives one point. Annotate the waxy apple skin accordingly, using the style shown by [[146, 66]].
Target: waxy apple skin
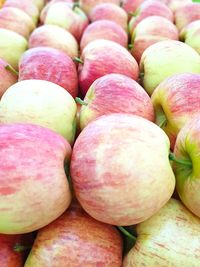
[[88, 5], [126, 157], [32, 177], [175, 4], [131, 6], [76, 239], [169, 238], [176, 100], [50, 64], [115, 93], [97, 54]]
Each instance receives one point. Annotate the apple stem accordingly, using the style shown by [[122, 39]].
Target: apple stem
[[80, 101], [180, 161], [11, 69], [130, 46], [20, 248], [126, 233], [77, 59], [76, 4]]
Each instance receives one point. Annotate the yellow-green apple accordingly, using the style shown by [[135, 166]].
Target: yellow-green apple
[[97, 54], [111, 12], [40, 102], [120, 169], [131, 6], [174, 4], [72, 19], [186, 14], [7, 77], [14, 19], [169, 238], [150, 8], [45, 36], [186, 167], [147, 33], [50, 64], [104, 29], [191, 35], [12, 46], [88, 5], [159, 61], [176, 100], [32, 177], [76, 239], [39, 3], [27, 6], [115, 93]]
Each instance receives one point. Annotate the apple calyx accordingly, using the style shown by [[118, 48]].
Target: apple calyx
[[11, 69], [77, 59], [20, 248], [126, 233], [80, 101], [179, 161]]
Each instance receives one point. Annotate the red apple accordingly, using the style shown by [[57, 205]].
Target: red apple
[[111, 12], [131, 6], [104, 29], [97, 54], [115, 93], [88, 5], [76, 239], [50, 64]]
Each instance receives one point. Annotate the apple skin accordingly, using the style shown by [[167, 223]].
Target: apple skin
[[88, 5], [115, 93], [175, 4], [12, 46], [111, 12], [79, 239], [26, 6], [104, 29], [39, 3], [50, 64], [159, 61], [16, 20], [114, 155], [44, 103], [169, 238], [38, 187], [64, 41], [175, 101], [191, 35], [97, 54], [131, 6], [186, 14], [8, 79], [147, 33], [150, 8]]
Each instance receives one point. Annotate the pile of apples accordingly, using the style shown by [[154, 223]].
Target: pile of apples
[[100, 133]]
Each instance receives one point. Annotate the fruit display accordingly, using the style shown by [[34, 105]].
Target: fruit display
[[99, 133]]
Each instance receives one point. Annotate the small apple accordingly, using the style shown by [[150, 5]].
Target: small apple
[[88, 5], [115, 93], [159, 61]]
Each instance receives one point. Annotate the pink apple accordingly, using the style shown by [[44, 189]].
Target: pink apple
[[115, 93], [150, 8], [38, 187], [147, 33], [186, 14], [104, 29], [50, 64], [191, 35], [131, 6], [79, 240], [120, 169], [174, 4], [88, 5], [175, 101], [45, 36], [111, 12], [97, 54]]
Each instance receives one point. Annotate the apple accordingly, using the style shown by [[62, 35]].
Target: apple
[[97, 54], [147, 33], [27, 6], [191, 35], [72, 19], [45, 36], [50, 64], [131, 6], [39, 3], [150, 8], [78, 239], [186, 14], [120, 169], [32, 177], [171, 237], [12, 46], [111, 12], [104, 29], [115, 93], [88, 5], [159, 61], [175, 4]]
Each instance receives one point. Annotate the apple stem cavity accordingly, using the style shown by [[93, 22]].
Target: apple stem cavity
[[180, 161], [20, 248], [11, 69], [80, 101], [77, 59], [126, 233]]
